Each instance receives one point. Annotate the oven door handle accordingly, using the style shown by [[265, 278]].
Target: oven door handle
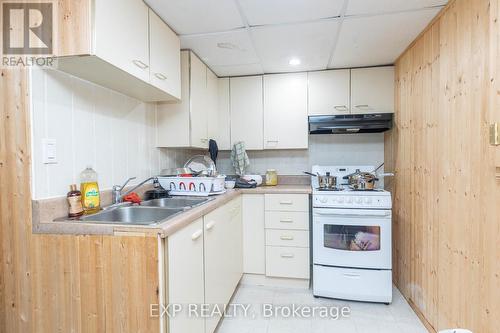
[[352, 213]]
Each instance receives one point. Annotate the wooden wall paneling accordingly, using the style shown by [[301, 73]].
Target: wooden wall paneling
[[73, 28], [446, 199]]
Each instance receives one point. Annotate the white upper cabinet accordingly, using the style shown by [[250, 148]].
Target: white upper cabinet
[[329, 92], [220, 126], [165, 57], [199, 114], [285, 111], [247, 111], [122, 35], [372, 90]]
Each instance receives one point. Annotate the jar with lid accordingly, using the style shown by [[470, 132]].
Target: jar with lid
[[271, 177]]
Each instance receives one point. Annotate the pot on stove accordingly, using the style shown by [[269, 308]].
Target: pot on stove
[[361, 180], [325, 182]]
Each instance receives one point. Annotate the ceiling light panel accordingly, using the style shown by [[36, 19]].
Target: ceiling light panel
[[311, 43], [369, 7], [261, 12], [378, 40], [195, 16]]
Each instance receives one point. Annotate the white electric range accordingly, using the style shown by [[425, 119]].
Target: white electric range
[[352, 251]]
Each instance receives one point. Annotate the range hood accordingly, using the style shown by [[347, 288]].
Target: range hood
[[350, 124]]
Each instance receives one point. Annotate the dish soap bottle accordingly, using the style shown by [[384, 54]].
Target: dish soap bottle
[[90, 191], [74, 201]]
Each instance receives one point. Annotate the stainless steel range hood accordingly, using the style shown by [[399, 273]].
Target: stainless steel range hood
[[350, 124]]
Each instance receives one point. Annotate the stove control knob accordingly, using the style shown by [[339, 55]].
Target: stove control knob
[[349, 200], [341, 200], [359, 200], [368, 200], [323, 199], [334, 199]]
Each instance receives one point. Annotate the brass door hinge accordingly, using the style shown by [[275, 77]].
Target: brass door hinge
[[495, 134]]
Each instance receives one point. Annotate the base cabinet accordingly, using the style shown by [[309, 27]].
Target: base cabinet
[[254, 254], [205, 266]]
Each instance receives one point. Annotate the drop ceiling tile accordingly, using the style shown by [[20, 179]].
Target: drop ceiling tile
[[227, 48], [237, 70], [362, 7], [259, 12], [310, 42], [378, 40], [195, 16]]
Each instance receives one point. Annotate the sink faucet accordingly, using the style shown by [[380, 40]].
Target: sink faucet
[[117, 189]]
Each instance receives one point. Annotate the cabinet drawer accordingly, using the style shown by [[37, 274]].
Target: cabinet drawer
[[287, 202], [288, 262], [287, 238], [287, 220]]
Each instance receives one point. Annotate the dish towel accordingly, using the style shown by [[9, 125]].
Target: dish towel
[[213, 149], [239, 158]]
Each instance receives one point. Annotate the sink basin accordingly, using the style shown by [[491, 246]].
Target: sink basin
[[176, 202], [132, 215]]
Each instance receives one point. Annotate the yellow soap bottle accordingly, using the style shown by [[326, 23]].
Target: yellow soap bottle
[[90, 191]]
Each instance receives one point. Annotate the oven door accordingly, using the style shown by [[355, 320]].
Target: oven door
[[359, 238]]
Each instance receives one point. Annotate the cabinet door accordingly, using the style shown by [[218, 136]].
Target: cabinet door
[[121, 34], [285, 111], [247, 111], [254, 249], [217, 257], [173, 119], [329, 92], [165, 58], [223, 115], [199, 114], [185, 275], [235, 246], [372, 90], [215, 128]]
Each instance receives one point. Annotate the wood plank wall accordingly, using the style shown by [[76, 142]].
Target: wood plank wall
[[446, 229], [62, 283]]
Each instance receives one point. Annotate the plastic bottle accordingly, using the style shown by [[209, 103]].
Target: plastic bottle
[[90, 191]]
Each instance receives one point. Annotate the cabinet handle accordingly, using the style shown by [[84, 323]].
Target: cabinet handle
[[210, 225], [286, 202], [341, 108], [197, 234], [140, 64], [288, 238], [362, 106], [352, 275], [160, 76], [287, 255], [286, 220]]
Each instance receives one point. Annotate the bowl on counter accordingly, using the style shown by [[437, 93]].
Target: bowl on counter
[[229, 184]]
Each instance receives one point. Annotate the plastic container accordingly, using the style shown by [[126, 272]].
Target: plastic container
[[89, 187], [271, 177]]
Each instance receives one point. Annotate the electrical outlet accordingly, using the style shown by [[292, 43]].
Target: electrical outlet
[[49, 147]]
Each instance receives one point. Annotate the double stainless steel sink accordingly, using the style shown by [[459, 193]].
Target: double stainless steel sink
[[150, 212]]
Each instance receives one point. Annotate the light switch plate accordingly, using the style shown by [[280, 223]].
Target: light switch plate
[[495, 134], [49, 147]]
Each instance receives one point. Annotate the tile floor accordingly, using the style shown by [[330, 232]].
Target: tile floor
[[397, 317]]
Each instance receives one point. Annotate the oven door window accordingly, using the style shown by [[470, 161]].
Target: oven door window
[[352, 237]]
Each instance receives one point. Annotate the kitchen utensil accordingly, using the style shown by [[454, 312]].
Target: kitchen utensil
[[325, 182], [201, 165], [213, 149], [364, 181]]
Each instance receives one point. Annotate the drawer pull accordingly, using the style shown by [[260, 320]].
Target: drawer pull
[[287, 255], [140, 64], [290, 202], [160, 76], [286, 220], [197, 234], [352, 275], [341, 108], [287, 238], [210, 225]]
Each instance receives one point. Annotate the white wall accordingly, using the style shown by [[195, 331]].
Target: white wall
[[92, 125], [347, 149]]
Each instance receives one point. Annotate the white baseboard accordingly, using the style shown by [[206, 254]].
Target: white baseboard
[[262, 280]]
